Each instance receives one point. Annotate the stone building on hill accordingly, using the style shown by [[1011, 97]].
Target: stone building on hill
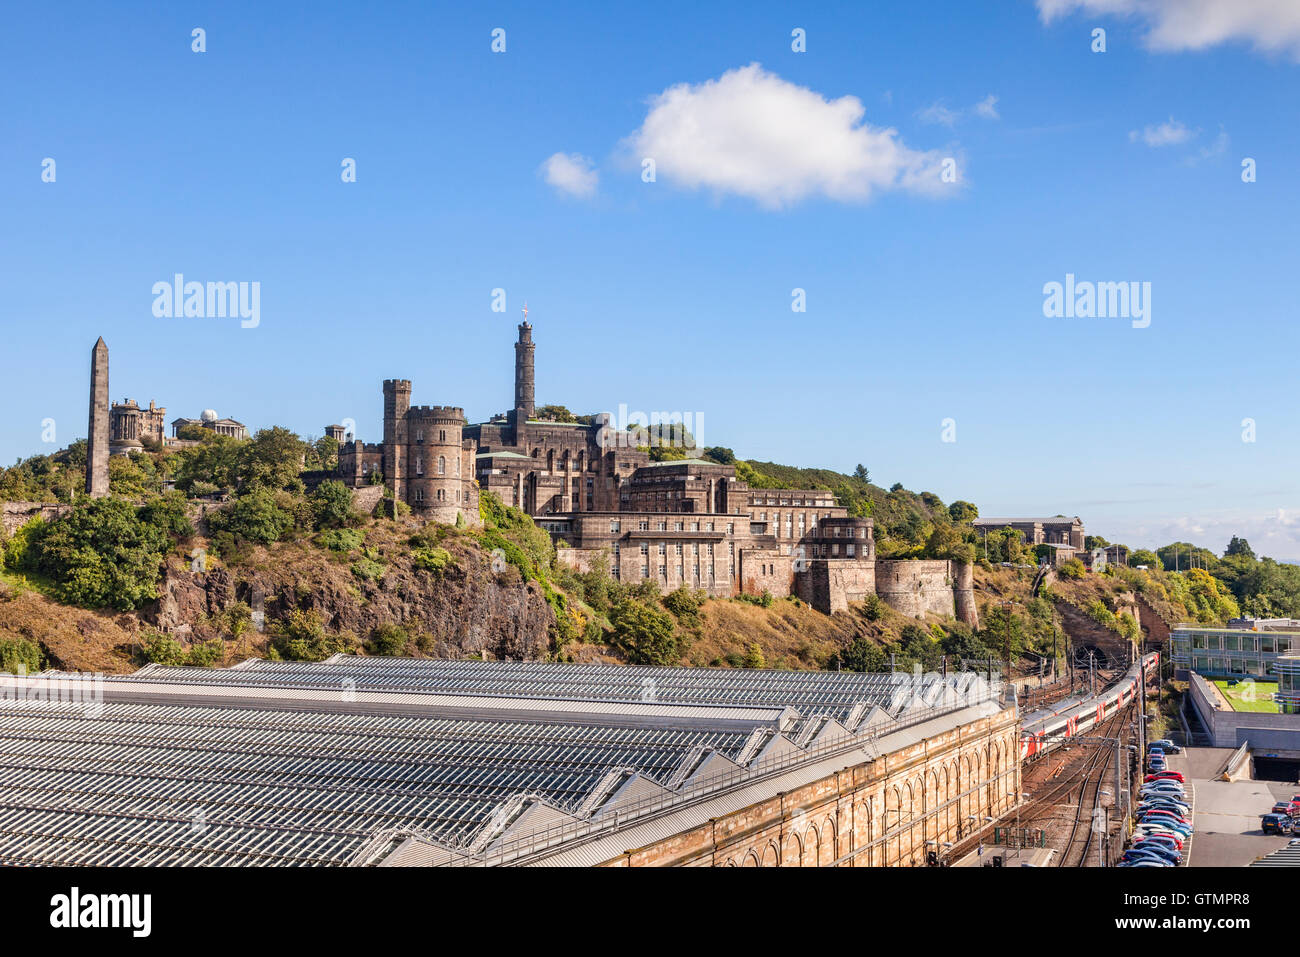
[[596, 490]]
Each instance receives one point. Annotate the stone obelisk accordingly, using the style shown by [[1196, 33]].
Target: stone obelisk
[[97, 436]]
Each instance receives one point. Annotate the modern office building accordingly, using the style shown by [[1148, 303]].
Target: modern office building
[[1246, 647]]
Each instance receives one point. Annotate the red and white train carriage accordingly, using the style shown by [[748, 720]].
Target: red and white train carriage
[[1047, 729]]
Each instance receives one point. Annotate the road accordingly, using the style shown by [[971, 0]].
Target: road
[[1226, 813]]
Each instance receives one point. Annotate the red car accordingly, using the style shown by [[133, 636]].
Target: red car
[[1164, 776], [1290, 808]]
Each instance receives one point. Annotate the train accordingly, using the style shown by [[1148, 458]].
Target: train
[[1076, 715]]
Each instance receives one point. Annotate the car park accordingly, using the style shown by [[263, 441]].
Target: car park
[[1275, 824]]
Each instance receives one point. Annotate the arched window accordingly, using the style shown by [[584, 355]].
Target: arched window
[[442, 464]]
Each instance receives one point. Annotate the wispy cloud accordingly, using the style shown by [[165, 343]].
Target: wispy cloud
[[1170, 133], [1174, 25], [751, 133], [570, 173], [986, 108]]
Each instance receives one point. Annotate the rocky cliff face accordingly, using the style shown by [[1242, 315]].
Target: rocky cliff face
[[467, 608]]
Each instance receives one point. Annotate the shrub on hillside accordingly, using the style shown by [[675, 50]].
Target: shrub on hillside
[[19, 656]]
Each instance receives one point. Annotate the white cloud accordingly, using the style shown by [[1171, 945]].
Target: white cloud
[[938, 113], [570, 173], [1170, 133], [753, 134], [1172, 25], [1218, 147], [1276, 533], [988, 108]]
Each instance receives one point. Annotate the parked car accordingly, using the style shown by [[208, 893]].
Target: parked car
[[1180, 809], [1165, 776], [1276, 824], [1168, 853], [1167, 746], [1290, 808], [1166, 837], [1176, 793]]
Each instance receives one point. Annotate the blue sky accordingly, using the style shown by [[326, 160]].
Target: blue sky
[[924, 300]]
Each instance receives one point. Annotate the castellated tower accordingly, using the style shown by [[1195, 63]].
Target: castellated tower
[[439, 464], [427, 461], [97, 432], [397, 402]]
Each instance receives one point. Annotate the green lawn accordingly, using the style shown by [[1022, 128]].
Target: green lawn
[[1250, 695]]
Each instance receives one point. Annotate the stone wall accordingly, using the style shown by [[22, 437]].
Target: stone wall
[[830, 586], [880, 813], [916, 587], [365, 498], [14, 515]]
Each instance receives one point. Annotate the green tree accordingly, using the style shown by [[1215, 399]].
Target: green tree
[[1003, 632], [272, 460], [644, 633], [331, 505], [1239, 546], [103, 555], [254, 517], [962, 511], [863, 654]]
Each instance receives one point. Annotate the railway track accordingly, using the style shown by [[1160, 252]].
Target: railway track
[[1080, 841]]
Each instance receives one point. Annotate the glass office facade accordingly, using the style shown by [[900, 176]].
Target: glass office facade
[[1230, 652], [1288, 683]]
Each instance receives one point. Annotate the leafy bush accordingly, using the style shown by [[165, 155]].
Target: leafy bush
[[205, 654], [1072, 569], [389, 640], [368, 569], [103, 555], [340, 539], [254, 517], [331, 505], [863, 654], [434, 559], [644, 633], [764, 600], [160, 649], [301, 637], [18, 655]]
